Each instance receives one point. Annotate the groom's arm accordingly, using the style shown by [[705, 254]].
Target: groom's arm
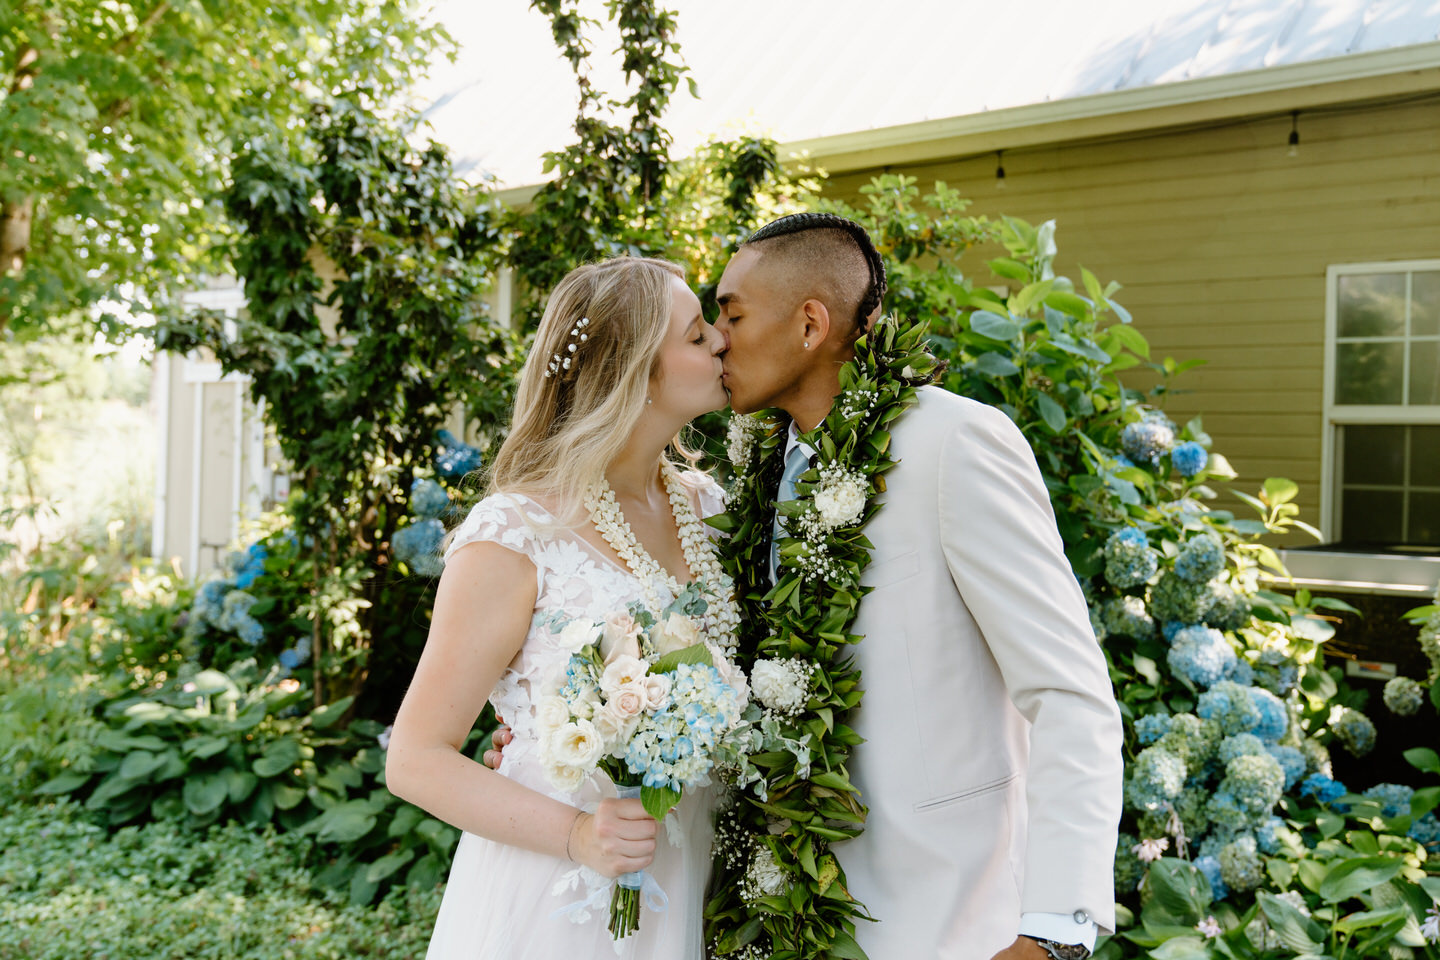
[[1007, 560]]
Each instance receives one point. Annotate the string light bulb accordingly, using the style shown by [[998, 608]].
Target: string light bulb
[[1294, 150], [999, 169]]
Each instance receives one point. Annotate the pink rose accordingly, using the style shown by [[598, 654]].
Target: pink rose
[[621, 638], [629, 700]]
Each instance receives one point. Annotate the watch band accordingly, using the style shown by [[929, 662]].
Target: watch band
[[1062, 951]]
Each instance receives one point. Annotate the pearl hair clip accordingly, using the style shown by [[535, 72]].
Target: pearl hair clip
[[561, 361]]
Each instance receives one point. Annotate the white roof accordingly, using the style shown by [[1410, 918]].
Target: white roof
[[803, 69]]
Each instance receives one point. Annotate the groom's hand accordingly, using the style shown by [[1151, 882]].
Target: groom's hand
[[1023, 949], [498, 739]]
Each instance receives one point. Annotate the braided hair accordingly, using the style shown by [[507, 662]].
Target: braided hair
[[800, 222]]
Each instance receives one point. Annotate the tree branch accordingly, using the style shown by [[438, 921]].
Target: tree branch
[[127, 42]]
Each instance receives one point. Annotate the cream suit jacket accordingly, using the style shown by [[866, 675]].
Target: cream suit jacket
[[992, 763]]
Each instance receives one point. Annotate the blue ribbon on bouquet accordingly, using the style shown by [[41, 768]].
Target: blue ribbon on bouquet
[[651, 895]]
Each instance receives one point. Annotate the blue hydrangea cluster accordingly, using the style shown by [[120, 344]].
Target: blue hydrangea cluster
[[1129, 560], [1404, 696], [1175, 598], [1210, 867], [1152, 727], [1189, 458], [1274, 718], [1394, 798], [235, 617], [248, 565], [674, 747], [1426, 831], [1193, 740], [1268, 834], [1291, 760], [1354, 730], [1227, 610], [296, 656], [1240, 865], [1322, 788], [428, 499], [1257, 782], [1240, 745], [1200, 559], [418, 545], [1127, 617], [1156, 777], [1201, 655], [1149, 439], [1230, 705], [1278, 680], [455, 458]]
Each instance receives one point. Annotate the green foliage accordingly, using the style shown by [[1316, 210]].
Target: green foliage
[[70, 888], [117, 121], [208, 747]]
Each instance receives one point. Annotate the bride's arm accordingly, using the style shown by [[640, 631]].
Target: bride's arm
[[482, 612]]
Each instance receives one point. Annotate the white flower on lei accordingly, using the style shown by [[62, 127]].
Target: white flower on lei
[[839, 500], [764, 877], [782, 685], [740, 439]]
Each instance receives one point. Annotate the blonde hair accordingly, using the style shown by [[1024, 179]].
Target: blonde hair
[[567, 428]]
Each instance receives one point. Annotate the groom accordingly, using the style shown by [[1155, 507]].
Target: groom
[[992, 763]]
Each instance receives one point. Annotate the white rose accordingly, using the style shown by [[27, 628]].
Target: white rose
[[566, 778], [676, 633], [614, 729], [577, 744], [621, 637], [587, 704], [577, 634], [657, 690], [775, 685], [840, 503], [552, 713], [629, 699], [620, 671]]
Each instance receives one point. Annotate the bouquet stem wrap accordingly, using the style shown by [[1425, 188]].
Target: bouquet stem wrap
[[631, 888]]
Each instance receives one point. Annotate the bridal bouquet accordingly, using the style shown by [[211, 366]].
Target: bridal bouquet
[[645, 699]]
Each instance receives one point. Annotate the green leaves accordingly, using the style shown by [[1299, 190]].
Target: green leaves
[[658, 800], [1349, 878], [695, 653], [1296, 931]]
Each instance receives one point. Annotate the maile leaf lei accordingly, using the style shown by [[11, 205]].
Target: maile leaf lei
[[804, 801]]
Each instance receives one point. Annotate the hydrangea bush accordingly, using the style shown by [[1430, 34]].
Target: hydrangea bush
[[1236, 838]]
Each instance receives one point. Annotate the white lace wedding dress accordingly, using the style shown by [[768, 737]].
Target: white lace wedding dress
[[501, 902]]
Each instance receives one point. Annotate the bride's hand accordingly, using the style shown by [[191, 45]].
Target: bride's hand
[[619, 837]]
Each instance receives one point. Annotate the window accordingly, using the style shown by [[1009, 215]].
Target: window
[[1382, 405]]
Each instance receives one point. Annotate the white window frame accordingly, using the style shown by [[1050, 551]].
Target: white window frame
[[1336, 415]]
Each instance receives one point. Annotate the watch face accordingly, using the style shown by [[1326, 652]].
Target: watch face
[[1069, 951]]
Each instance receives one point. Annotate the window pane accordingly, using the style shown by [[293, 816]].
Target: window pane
[[1369, 372], [1370, 305], [1425, 303], [1424, 518], [1371, 516], [1424, 456], [1373, 454], [1425, 372]]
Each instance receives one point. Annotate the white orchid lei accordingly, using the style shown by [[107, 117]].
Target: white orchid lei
[[780, 889]]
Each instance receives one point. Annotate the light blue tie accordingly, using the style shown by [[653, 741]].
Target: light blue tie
[[796, 463]]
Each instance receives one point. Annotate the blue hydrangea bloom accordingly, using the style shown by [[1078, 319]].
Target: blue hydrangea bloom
[[1170, 628], [251, 566], [1156, 776], [1291, 760], [1152, 727], [1129, 561], [1394, 798], [1426, 830], [1404, 696], [428, 499], [1175, 598], [1240, 864], [1189, 458], [1211, 868], [1227, 609], [1242, 673], [1355, 731], [1200, 559], [1149, 439], [1274, 718], [1256, 781], [454, 458], [1230, 705], [418, 545], [1240, 745], [1267, 835], [1201, 655], [289, 659], [1126, 617], [1322, 788]]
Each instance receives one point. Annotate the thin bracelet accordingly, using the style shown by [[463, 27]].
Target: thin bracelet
[[571, 833]]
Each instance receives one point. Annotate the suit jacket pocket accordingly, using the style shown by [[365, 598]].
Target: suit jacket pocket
[[888, 570], [968, 794]]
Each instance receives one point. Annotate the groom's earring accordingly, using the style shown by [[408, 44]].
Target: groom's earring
[[807, 344]]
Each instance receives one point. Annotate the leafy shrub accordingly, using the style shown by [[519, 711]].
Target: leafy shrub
[[70, 888]]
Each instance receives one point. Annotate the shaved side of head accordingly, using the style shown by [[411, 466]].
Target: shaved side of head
[[819, 256]]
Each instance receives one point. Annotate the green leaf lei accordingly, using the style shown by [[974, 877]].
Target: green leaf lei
[[803, 800]]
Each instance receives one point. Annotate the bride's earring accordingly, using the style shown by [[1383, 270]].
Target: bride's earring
[[649, 400]]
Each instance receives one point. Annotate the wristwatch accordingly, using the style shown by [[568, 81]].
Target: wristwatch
[[1062, 951]]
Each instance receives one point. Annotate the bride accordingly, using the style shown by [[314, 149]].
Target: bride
[[622, 361]]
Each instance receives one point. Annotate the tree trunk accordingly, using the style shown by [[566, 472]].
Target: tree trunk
[[16, 213]]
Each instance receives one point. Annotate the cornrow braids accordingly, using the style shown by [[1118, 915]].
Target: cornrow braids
[[800, 222]]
